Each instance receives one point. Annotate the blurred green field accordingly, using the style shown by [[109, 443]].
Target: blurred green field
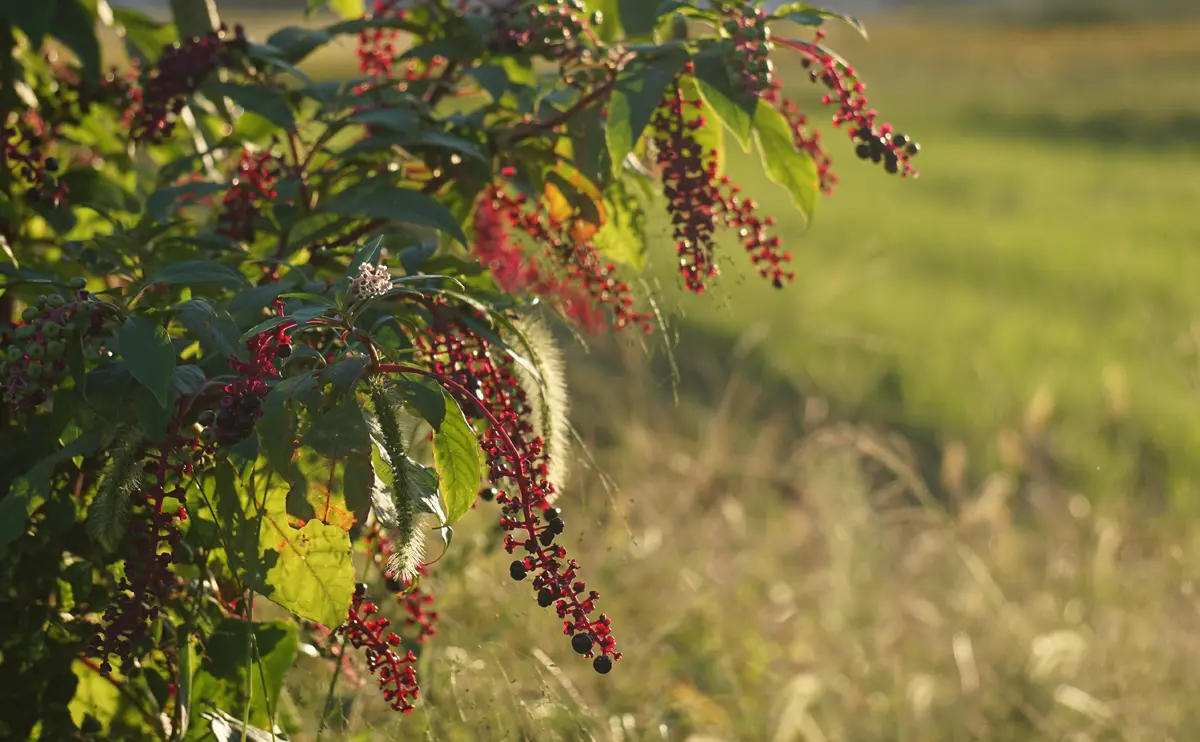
[[1023, 314]]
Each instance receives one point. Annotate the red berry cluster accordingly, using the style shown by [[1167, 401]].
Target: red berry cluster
[[149, 581], [515, 272], [699, 201], [34, 351], [253, 184], [874, 141], [417, 602], [395, 672], [181, 69], [750, 48], [454, 352], [24, 157], [579, 260], [240, 406], [379, 47]]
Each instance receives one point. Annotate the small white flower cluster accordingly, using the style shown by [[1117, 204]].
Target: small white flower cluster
[[372, 281]]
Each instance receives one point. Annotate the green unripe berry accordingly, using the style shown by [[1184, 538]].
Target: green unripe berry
[[30, 314], [56, 301], [13, 354], [42, 301], [34, 371], [78, 282], [730, 26], [51, 330], [55, 349], [36, 351], [24, 332]]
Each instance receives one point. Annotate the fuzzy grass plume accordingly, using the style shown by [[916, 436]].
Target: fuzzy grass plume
[[399, 486], [109, 512], [547, 397]]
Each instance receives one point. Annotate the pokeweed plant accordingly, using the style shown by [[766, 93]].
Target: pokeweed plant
[[255, 324]]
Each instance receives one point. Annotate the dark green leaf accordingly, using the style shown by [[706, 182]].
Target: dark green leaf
[[89, 187], [144, 37], [187, 380], [148, 354], [637, 94], [75, 26], [34, 19], [160, 204], [786, 165], [379, 199], [199, 272], [722, 91], [458, 459], [221, 677], [214, 328], [638, 17], [264, 100], [424, 400]]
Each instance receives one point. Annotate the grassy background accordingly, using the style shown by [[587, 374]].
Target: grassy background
[[915, 495]]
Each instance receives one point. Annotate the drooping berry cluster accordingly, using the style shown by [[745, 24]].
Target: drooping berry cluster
[[579, 260], [253, 184], [181, 69], [34, 351], [515, 272], [874, 141], [394, 671], [749, 41], [514, 454], [240, 406], [24, 157], [149, 580], [551, 29], [699, 201], [412, 595]]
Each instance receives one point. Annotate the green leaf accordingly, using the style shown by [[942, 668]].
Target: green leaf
[[635, 97], [144, 37], [188, 661], [623, 236], [264, 100], [457, 456], [221, 677], [810, 15], [160, 204], [379, 199], [424, 400], [214, 328], [187, 380], [638, 17], [348, 9], [199, 272], [195, 17], [787, 166], [733, 105], [312, 575], [75, 26], [149, 355]]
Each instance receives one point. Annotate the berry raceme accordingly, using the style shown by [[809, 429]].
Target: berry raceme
[[33, 353], [392, 667], [749, 47], [253, 184]]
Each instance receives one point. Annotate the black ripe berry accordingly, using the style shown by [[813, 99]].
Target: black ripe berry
[[394, 585], [360, 590], [602, 664], [899, 140], [545, 597], [517, 570], [581, 643], [912, 149], [551, 513], [488, 494], [556, 526], [546, 537], [283, 351], [52, 164], [863, 151], [891, 164]]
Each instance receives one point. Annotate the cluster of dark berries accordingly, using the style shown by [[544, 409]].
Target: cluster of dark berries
[[873, 141], [149, 580], [550, 29], [34, 350], [181, 69], [749, 42], [253, 184], [240, 406], [894, 150], [392, 668], [25, 159]]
